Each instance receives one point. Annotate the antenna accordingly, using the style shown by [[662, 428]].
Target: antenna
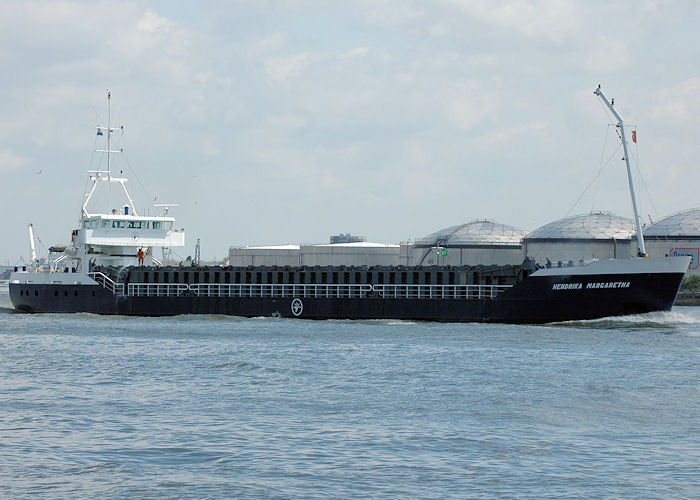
[[109, 129], [641, 250], [96, 176]]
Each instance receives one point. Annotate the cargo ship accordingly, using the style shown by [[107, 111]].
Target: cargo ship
[[110, 267]]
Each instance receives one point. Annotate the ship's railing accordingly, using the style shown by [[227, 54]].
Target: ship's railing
[[157, 289], [280, 291], [440, 291], [108, 283], [337, 291]]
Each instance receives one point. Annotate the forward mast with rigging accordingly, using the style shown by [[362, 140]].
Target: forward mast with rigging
[[641, 249]]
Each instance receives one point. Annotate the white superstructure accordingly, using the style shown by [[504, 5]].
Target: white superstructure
[[116, 237]]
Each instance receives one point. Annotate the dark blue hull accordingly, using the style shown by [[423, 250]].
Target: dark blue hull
[[535, 300]]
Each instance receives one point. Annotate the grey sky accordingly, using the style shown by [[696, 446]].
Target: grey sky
[[285, 122]]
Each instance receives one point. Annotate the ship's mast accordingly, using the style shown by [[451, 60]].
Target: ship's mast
[[99, 174], [109, 134], [641, 250], [32, 248], [109, 137]]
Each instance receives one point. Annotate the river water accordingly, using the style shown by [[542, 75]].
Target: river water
[[221, 407]]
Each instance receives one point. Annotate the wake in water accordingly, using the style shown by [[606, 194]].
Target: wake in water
[[659, 319], [5, 302]]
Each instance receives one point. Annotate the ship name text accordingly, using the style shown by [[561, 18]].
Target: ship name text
[[579, 286]]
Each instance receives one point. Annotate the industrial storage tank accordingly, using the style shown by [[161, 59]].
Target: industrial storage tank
[[359, 253], [268, 255], [567, 241], [677, 234], [479, 242], [355, 253]]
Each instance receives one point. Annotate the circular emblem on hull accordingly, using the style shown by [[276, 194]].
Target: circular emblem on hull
[[297, 307]]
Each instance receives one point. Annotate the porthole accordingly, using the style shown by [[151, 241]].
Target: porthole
[[94, 294], [65, 293], [55, 293], [36, 293], [75, 293], [21, 293]]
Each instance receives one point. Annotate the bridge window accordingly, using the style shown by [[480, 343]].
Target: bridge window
[[156, 224]]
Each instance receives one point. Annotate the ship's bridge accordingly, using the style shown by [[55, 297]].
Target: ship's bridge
[[130, 230]]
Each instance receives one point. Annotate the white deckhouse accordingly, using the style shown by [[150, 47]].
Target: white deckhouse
[[118, 238]]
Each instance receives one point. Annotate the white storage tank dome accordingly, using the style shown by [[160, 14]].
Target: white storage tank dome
[[596, 235], [477, 232], [479, 242], [677, 234]]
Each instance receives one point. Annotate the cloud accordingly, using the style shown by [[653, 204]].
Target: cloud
[[286, 121], [375, 101], [356, 52], [550, 19], [152, 22], [10, 161], [608, 54], [680, 102], [285, 69], [469, 104]]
